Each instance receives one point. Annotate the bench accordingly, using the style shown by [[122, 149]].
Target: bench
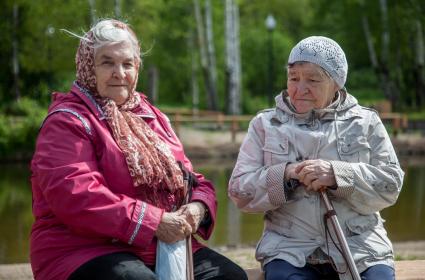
[[405, 270]]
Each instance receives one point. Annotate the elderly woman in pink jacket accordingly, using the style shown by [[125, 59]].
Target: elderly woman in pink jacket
[[319, 136], [108, 175]]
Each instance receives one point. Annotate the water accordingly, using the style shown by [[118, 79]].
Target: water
[[405, 220]]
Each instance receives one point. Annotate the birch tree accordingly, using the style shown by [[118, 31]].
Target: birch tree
[[233, 62], [206, 63], [210, 49], [194, 74], [381, 65], [117, 8], [386, 82], [419, 65], [92, 5], [15, 59]]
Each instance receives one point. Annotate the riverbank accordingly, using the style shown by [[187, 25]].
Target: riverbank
[[205, 144], [213, 144]]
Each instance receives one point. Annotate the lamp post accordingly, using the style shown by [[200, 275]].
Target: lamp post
[[270, 25]]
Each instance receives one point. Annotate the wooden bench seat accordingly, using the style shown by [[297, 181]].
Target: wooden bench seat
[[405, 270]]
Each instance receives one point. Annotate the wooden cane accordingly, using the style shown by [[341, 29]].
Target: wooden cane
[[189, 255]]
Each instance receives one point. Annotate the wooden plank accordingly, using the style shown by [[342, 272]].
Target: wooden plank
[[405, 270]]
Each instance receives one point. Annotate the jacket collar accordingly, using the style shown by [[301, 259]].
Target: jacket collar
[[85, 95], [285, 110]]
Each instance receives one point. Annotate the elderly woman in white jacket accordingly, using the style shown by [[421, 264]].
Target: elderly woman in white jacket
[[318, 135]]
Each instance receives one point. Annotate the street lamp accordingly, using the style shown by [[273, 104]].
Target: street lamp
[[270, 25]]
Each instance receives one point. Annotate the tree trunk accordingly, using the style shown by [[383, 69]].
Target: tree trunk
[[194, 75], [369, 41], [238, 94], [381, 66], [92, 4], [233, 63], [209, 83], [15, 52], [210, 49], [386, 82], [117, 9], [153, 78], [419, 67]]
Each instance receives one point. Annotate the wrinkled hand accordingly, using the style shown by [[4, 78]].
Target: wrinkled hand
[[290, 171], [172, 228], [193, 212], [316, 174]]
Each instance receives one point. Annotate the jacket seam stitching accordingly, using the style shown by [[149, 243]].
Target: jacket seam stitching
[[77, 115]]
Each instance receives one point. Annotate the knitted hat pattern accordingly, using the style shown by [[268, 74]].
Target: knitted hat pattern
[[324, 52]]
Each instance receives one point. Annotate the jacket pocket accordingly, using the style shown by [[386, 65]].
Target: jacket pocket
[[275, 150], [354, 149], [361, 223], [266, 247], [367, 238]]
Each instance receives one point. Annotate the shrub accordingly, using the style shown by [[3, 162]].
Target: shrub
[[19, 125]]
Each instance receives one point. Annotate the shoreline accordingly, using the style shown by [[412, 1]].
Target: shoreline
[[210, 145], [207, 144]]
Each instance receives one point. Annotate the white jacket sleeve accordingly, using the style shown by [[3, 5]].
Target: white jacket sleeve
[[373, 186], [254, 187]]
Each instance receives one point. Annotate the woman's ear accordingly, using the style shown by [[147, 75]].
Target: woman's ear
[[336, 86]]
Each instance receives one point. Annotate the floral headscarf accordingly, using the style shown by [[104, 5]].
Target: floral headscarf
[[150, 162]]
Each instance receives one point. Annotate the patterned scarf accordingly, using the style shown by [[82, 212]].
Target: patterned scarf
[[151, 164]]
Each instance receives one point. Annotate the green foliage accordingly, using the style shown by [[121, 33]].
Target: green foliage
[[19, 126], [251, 105], [363, 84], [46, 55], [418, 115], [25, 107], [166, 28]]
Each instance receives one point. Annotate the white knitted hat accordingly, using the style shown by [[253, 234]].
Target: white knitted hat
[[324, 52]]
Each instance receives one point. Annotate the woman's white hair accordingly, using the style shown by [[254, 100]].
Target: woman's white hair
[[105, 32], [109, 31]]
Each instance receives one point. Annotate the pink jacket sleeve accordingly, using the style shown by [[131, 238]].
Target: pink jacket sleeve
[[76, 192], [205, 191]]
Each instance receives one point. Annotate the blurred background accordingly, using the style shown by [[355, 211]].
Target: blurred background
[[219, 55], [225, 57]]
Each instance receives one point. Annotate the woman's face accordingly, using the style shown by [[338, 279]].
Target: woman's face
[[116, 71], [309, 87]]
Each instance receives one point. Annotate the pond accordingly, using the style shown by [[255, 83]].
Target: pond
[[405, 220]]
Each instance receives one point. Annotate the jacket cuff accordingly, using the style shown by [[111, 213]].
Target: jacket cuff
[[274, 183], [344, 177], [144, 222], [205, 230]]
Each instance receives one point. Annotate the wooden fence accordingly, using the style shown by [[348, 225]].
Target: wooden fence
[[397, 121]]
